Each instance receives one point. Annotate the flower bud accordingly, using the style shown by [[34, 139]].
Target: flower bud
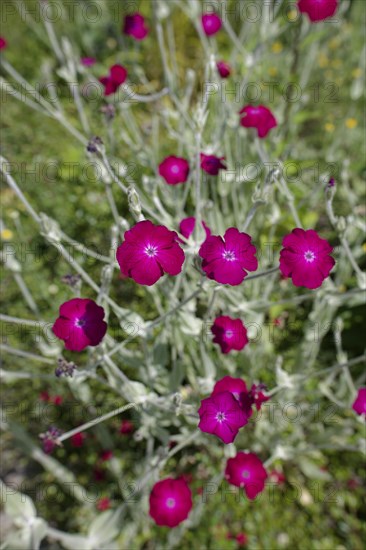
[[134, 203], [50, 229]]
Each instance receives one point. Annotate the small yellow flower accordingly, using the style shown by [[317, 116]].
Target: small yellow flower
[[364, 247], [272, 71], [342, 288], [329, 127], [6, 234], [351, 123], [292, 15], [357, 73], [323, 60], [277, 47]]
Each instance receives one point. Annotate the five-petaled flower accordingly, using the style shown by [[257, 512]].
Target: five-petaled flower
[[223, 68], [134, 26], [186, 227], [211, 23], [148, 251], [306, 258], [227, 259], [221, 415], [3, 43], [229, 333], [259, 117], [212, 164], [170, 502], [246, 470], [117, 76], [80, 324], [318, 10], [359, 405], [174, 170]]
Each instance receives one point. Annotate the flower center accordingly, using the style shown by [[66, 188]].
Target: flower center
[[80, 322], [245, 474], [309, 256], [229, 256], [220, 417], [229, 333], [170, 503], [150, 250], [175, 169]]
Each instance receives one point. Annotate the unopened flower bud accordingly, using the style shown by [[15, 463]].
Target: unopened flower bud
[[109, 111], [341, 224], [72, 280], [95, 145], [134, 203]]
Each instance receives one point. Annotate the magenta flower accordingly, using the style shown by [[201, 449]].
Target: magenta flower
[[50, 439], [359, 406], [236, 386], [227, 259], [241, 539], [170, 502], [106, 455], [117, 76], [224, 69], [186, 227], [229, 334], [278, 477], [80, 324], [103, 504], [317, 10], [305, 258], [174, 170], [246, 470], [88, 61], [331, 182], [259, 117], [135, 26], [254, 397], [126, 427], [222, 416], [148, 251], [211, 23], [3, 43], [212, 164], [77, 440]]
